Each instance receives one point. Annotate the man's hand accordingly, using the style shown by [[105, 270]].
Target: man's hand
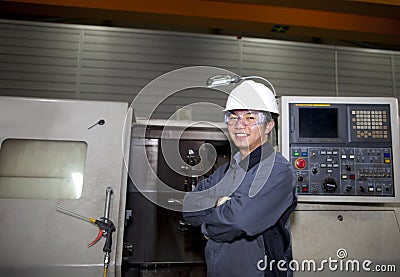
[[222, 200]]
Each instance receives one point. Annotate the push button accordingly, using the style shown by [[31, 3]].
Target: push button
[[300, 163], [371, 189]]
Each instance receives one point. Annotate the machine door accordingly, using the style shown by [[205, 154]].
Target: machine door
[[66, 154]]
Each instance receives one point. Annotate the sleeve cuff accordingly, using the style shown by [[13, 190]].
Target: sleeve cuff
[[204, 231]]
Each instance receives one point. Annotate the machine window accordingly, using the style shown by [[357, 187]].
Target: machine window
[[42, 169]]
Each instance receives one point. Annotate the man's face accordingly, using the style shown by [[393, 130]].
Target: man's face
[[246, 131]]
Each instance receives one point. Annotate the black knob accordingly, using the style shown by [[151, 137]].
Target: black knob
[[314, 170], [348, 168], [300, 178], [361, 188], [329, 185], [348, 188]]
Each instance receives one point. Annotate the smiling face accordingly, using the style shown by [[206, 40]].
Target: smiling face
[[246, 130]]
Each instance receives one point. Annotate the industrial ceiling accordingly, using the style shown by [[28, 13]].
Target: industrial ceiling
[[361, 23]]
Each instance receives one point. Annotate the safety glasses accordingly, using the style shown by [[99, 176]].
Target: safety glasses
[[249, 118]]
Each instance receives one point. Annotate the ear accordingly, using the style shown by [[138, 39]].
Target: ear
[[270, 126]]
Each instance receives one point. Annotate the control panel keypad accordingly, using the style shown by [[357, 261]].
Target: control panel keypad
[[370, 124]]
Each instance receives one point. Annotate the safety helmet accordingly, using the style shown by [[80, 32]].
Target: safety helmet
[[250, 95]]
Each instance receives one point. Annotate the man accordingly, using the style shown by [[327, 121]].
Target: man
[[243, 208]]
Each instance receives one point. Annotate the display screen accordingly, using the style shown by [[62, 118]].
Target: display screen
[[318, 123]]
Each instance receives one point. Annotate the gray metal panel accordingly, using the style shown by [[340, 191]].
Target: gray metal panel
[[364, 73], [371, 234], [38, 61], [294, 69]]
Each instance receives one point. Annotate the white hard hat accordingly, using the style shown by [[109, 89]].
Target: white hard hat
[[250, 95]]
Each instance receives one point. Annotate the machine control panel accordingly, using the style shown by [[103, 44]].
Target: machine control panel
[[343, 170], [342, 149]]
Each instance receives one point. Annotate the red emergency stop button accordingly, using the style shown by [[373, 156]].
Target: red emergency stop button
[[300, 163]]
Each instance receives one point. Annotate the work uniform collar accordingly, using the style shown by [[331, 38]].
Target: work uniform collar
[[260, 153]]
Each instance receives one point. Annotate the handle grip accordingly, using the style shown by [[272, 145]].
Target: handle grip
[[107, 245]]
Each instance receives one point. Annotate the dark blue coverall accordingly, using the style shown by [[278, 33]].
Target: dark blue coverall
[[253, 226]]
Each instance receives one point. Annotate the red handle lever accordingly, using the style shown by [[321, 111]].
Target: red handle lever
[[96, 239]]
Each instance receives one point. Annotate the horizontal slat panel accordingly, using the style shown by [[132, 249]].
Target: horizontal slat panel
[[299, 91], [293, 69], [161, 40], [43, 32], [106, 97], [37, 68], [364, 74], [280, 58], [39, 93], [365, 81], [312, 72], [43, 60], [396, 74], [109, 90], [37, 77], [71, 44], [366, 90], [348, 57], [38, 51], [396, 59], [177, 48], [38, 61], [56, 86], [127, 65], [26, 59], [276, 47], [122, 63]]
